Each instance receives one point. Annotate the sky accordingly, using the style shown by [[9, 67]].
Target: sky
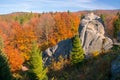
[[9, 6]]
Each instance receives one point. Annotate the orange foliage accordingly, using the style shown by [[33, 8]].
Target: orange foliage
[[17, 42], [66, 26], [21, 38], [109, 24], [15, 58], [48, 29]]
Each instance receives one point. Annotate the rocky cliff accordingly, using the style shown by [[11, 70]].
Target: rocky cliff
[[92, 36]]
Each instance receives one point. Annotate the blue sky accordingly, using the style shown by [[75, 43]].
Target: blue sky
[[9, 6]]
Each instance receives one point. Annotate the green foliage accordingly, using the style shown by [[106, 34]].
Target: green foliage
[[115, 48], [68, 11], [118, 14], [116, 27], [103, 18], [37, 71], [5, 73], [1, 44], [94, 68], [81, 17], [77, 53], [24, 18]]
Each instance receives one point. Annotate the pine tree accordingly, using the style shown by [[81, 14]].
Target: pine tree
[[116, 27], [37, 71], [103, 19], [5, 73], [77, 53], [118, 14]]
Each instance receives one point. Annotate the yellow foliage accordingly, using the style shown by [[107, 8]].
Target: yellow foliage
[[57, 65], [26, 56], [95, 53], [17, 76]]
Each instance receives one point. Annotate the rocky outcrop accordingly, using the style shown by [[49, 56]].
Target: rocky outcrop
[[92, 35], [63, 48], [115, 69]]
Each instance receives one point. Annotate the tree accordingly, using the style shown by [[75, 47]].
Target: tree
[[109, 24], [21, 38], [118, 14], [46, 24], [66, 25], [36, 71], [1, 44], [77, 53], [103, 18], [23, 18], [15, 58], [116, 27], [68, 11], [5, 73]]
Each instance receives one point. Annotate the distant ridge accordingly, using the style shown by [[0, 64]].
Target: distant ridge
[[99, 11]]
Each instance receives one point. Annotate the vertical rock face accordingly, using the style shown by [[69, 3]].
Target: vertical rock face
[[63, 48], [92, 36], [115, 69]]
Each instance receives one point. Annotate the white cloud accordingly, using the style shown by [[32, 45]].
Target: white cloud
[[53, 5]]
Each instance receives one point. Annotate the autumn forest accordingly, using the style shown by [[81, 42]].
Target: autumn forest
[[23, 33]]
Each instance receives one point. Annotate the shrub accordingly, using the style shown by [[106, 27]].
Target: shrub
[[58, 65]]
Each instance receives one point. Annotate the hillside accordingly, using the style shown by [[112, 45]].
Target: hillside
[[61, 45]]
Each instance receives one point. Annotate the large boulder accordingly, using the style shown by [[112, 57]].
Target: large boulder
[[92, 34], [63, 48], [115, 69]]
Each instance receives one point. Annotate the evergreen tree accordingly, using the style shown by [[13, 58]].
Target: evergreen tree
[[116, 27], [5, 73], [68, 12], [103, 18], [77, 53], [118, 14], [81, 17], [37, 71]]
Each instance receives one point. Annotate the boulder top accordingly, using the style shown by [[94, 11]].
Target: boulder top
[[91, 16]]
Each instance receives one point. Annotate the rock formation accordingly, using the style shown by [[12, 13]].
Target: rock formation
[[115, 69], [92, 35], [63, 48]]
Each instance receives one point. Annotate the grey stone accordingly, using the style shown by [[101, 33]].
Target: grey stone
[[63, 48], [115, 69], [92, 35]]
